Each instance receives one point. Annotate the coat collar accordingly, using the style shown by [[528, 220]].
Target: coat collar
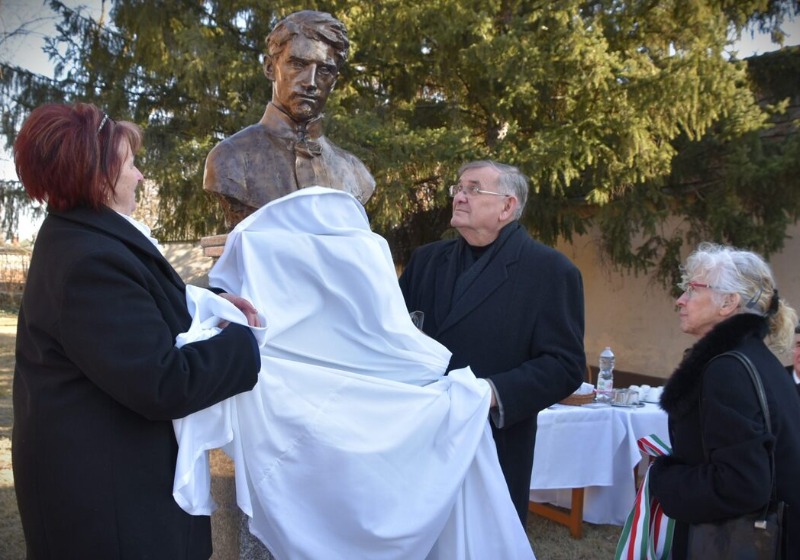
[[108, 222], [282, 125], [682, 390], [494, 275]]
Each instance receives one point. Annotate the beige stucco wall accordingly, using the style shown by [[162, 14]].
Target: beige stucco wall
[[633, 315], [637, 317], [189, 261]]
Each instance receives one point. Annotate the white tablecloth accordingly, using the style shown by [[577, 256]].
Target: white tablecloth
[[595, 449]]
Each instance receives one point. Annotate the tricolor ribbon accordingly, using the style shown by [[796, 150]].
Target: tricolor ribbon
[[647, 534]]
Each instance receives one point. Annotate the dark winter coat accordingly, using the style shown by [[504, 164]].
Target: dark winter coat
[[736, 478], [97, 383], [790, 371], [520, 323]]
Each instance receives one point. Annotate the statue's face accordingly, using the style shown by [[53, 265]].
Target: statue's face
[[302, 75]]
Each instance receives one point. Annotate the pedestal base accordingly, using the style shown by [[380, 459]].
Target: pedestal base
[[213, 245]]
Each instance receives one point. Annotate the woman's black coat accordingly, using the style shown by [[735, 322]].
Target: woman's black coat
[[736, 478], [97, 383]]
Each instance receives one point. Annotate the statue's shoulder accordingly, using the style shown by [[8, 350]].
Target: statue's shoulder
[[351, 158], [246, 137], [359, 181]]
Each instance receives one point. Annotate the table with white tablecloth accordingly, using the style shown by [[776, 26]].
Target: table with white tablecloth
[[593, 448]]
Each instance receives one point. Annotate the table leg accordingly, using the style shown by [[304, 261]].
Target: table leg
[[573, 520]]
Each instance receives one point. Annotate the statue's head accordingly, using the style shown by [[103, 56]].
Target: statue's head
[[317, 26], [304, 53]]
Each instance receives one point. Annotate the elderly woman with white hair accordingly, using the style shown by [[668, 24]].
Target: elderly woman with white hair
[[720, 463]]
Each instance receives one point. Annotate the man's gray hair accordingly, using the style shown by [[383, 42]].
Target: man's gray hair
[[510, 181], [318, 26]]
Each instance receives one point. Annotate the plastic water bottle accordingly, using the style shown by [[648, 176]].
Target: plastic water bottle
[[605, 377]]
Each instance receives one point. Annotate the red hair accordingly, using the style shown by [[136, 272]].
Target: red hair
[[68, 156]]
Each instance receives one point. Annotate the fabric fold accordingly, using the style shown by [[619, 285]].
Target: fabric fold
[[353, 444]]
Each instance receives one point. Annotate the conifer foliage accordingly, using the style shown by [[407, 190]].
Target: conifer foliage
[[636, 116]]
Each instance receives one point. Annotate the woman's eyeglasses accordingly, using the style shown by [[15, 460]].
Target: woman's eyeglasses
[[689, 287]]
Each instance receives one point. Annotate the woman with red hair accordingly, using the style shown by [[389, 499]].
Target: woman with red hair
[[98, 378]]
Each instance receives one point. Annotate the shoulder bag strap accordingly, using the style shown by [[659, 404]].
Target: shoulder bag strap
[[762, 399]]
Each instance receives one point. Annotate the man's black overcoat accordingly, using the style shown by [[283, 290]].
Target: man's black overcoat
[[520, 323]]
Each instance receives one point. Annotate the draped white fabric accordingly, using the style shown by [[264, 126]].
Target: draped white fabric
[[352, 444]]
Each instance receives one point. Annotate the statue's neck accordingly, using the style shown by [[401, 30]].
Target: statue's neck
[[281, 124]]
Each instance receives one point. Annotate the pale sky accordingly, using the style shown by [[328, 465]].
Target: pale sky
[[26, 50]]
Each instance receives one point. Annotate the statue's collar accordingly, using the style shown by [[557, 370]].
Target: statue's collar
[[282, 125]]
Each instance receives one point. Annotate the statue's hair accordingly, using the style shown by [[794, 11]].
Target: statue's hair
[[319, 26]]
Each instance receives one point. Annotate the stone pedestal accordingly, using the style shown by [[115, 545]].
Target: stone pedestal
[[213, 245], [225, 519], [230, 535]]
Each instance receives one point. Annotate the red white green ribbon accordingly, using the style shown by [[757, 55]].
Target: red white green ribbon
[[647, 534]]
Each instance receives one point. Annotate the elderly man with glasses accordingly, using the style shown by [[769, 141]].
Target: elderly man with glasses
[[504, 304]]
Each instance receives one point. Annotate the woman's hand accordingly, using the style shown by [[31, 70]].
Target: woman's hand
[[245, 307]]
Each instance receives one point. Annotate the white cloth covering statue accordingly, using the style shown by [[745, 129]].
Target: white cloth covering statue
[[353, 444]]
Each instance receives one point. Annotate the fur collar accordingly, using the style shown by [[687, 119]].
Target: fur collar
[[682, 390]]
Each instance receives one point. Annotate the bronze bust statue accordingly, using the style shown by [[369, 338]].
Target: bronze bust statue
[[286, 149]]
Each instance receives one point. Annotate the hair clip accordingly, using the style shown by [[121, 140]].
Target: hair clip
[[753, 303], [773, 303], [102, 123]]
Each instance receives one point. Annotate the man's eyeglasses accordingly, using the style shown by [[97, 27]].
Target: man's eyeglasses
[[471, 190]]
